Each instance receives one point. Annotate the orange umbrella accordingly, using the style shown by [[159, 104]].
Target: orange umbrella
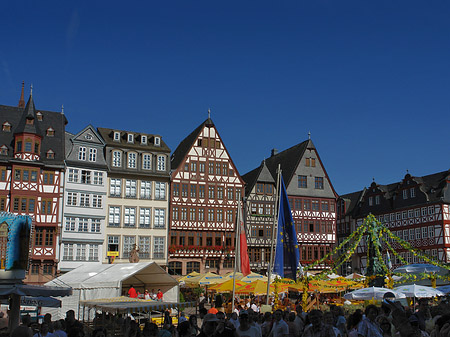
[[257, 287]]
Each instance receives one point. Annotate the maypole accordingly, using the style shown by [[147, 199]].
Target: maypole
[[269, 267]]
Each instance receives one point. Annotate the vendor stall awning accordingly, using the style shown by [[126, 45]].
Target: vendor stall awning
[[130, 305], [33, 290]]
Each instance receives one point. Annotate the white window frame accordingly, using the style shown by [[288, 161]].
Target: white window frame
[[405, 194], [158, 247], [145, 217], [412, 192], [83, 225], [116, 159], [68, 252], [146, 189], [81, 252], [93, 252], [146, 161], [132, 160], [82, 153], [72, 198], [116, 136], [97, 201], [98, 178], [95, 225], [160, 190], [130, 188], [92, 154], [73, 175], [161, 163], [85, 200], [129, 219], [159, 218], [128, 243], [143, 140], [114, 216], [70, 224], [130, 138], [115, 187], [157, 141], [145, 247]]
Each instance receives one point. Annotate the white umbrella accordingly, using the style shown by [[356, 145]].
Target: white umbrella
[[354, 276], [418, 268], [444, 289], [375, 293], [414, 290], [333, 276]]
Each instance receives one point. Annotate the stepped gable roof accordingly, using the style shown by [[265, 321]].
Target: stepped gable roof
[[260, 173], [185, 145], [108, 137], [288, 160], [56, 120]]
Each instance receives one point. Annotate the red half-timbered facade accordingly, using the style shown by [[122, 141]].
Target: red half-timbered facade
[[31, 178], [416, 209], [204, 194], [311, 196]]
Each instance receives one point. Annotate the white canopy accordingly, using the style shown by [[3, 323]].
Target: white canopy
[[112, 280]]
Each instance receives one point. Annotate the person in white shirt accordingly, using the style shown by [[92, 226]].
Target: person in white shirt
[[280, 328], [245, 328]]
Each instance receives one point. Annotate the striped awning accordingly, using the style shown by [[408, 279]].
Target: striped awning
[[129, 305]]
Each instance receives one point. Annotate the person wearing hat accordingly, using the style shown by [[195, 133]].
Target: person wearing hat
[[209, 325], [245, 329]]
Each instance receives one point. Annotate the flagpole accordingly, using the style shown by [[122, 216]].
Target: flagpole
[[275, 211], [236, 254]]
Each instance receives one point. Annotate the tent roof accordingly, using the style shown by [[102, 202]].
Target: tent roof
[[116, 275]]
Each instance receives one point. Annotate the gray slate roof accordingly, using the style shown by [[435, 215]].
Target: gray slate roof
[[16, 117]]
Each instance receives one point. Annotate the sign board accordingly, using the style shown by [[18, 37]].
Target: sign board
[[112, 253]]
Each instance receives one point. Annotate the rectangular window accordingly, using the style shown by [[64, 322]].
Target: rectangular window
[[201, 214], [115, 187], [183, 213], [370, 201], [315, 205], [128, 245], [318, 183], [324, 206], [184, 190], [194, 166], [405, 194], [144, 247], [192, 214], [412, 192], [175, 213], [49, 233], [201, 167], [176, 190], [146, 161], [83, 224], [219, 192], [211, 192], [96, 201], [70, 224], [84, 200], [98, 178], [113, 243], [201, 191], [71, 199], [81, 153], [38, 236], [73, 176], [146, 189], [144, 217], [158, 247], [85, 177], [129, 217], [410, 213], [210, 168], [377, 200], [160, 191], [46, 207], [132, 160], [47, 269], [418, 233], [26, 175], [117, 159], [68, 252], [219, 215], [92, 154], [193, 191], [302, 182], [93, 252], [31, 205], [161, 163], [230, 193], [431, 232], [130, 188], [160, 218], [425, 232], [306, 204], [114, 216], [95, 225], [33, 176], [210, 215]]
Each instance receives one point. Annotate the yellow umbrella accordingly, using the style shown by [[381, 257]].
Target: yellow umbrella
[[203, 279], [190, 275], [230, 275], [253, 277], [226, 286], [257, 287]]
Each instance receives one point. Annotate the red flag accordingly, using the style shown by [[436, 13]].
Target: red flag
[[243, 255]]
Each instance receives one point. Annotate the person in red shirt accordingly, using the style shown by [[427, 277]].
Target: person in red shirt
[[213, 310], [159, 295], [132, 292]]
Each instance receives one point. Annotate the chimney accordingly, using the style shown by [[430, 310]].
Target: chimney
[[273, 152], [21, 100]]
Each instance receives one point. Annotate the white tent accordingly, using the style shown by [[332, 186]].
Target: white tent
[[111, 280]]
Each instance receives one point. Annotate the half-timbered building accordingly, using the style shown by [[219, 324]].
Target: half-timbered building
[[205, 190], [83, 229], [137, 198], [311, 196], [32, 178], [415, 209]]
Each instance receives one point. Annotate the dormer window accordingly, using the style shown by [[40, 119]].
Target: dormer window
[[6, 127], [143, 140], [88, 136], [28, 145], [405, 194], [4, 150], [50, 154], [157, 141], [116, 136], [50, 132], [30, 121], [39, 116], [130, 138]]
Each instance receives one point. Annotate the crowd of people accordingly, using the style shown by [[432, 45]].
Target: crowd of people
[[390, 319]]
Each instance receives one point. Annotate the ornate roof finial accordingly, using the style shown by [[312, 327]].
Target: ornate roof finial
[[22, 100], [62, 108], [373, 179], [31, 89], [309, 134], [209, 113], [407, 171]]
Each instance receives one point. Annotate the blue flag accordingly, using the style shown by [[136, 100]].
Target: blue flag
[[287, 255]]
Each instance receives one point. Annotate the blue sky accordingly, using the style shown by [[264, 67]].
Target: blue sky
[[369, 80]]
